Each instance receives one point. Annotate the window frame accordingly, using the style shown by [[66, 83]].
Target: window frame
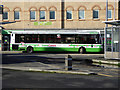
[[71, 14], [14, 15], [93, 14], [40, 15], [30, 14], [111, 14], [79, 14], [3, 15], [54, 15]]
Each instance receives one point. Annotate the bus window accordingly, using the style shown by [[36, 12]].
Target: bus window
[[54, 38], [68, 38], [42, 38], [28, 38], [35, 38], [94, 39], [87, 39], [22, 38], [80, 39], [19, 38]]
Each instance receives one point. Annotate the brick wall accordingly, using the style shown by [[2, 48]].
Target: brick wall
[[75, 23]]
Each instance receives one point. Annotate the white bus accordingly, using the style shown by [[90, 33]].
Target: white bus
[[57, 40]]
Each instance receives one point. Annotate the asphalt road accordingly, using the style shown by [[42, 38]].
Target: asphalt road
[[56, 59], [22, 79]]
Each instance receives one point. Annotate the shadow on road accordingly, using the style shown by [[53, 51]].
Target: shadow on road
[[30, 58], [17, 58]]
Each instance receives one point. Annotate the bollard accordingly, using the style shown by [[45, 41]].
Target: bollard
[[68, 63]]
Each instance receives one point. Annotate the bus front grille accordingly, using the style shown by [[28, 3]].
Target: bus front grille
[[15, 47]]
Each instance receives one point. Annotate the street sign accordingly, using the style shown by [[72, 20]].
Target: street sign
[[1, 9], [42, 23]]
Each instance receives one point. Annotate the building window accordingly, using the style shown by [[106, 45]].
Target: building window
[[69, 15], [5, 15], [32, 15], [52, 14], [42, 14], [109, 14], [95, 14], [16, 15], [81, 14]]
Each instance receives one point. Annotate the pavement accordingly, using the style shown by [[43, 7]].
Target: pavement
[[57, 64]]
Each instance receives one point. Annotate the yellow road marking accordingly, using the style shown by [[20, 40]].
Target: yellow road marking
[[105, 75]]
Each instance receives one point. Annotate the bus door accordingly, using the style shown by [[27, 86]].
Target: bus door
[[6, 42]]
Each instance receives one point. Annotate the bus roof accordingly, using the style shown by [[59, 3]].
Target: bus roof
[[57, 32]]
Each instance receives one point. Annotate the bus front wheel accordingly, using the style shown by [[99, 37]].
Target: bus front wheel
[[82, 50], [29, 50]]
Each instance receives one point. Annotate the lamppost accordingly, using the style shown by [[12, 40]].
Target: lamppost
[[114, 9], [105, 34], [1, 13]]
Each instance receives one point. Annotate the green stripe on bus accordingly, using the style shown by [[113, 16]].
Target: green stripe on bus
[[59, 49], [44, 45]]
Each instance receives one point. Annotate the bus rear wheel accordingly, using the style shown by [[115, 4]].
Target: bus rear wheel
[[29, 50], [82, 50]]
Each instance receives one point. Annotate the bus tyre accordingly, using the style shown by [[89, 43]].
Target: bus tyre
[[29, 50], [82, 50]]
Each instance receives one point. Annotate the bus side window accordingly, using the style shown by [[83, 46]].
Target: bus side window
[[28, 38], [71, 38], [17, 38], [79, 39], [22, 38]]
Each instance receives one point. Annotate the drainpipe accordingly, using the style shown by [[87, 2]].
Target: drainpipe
[[62, 14]]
